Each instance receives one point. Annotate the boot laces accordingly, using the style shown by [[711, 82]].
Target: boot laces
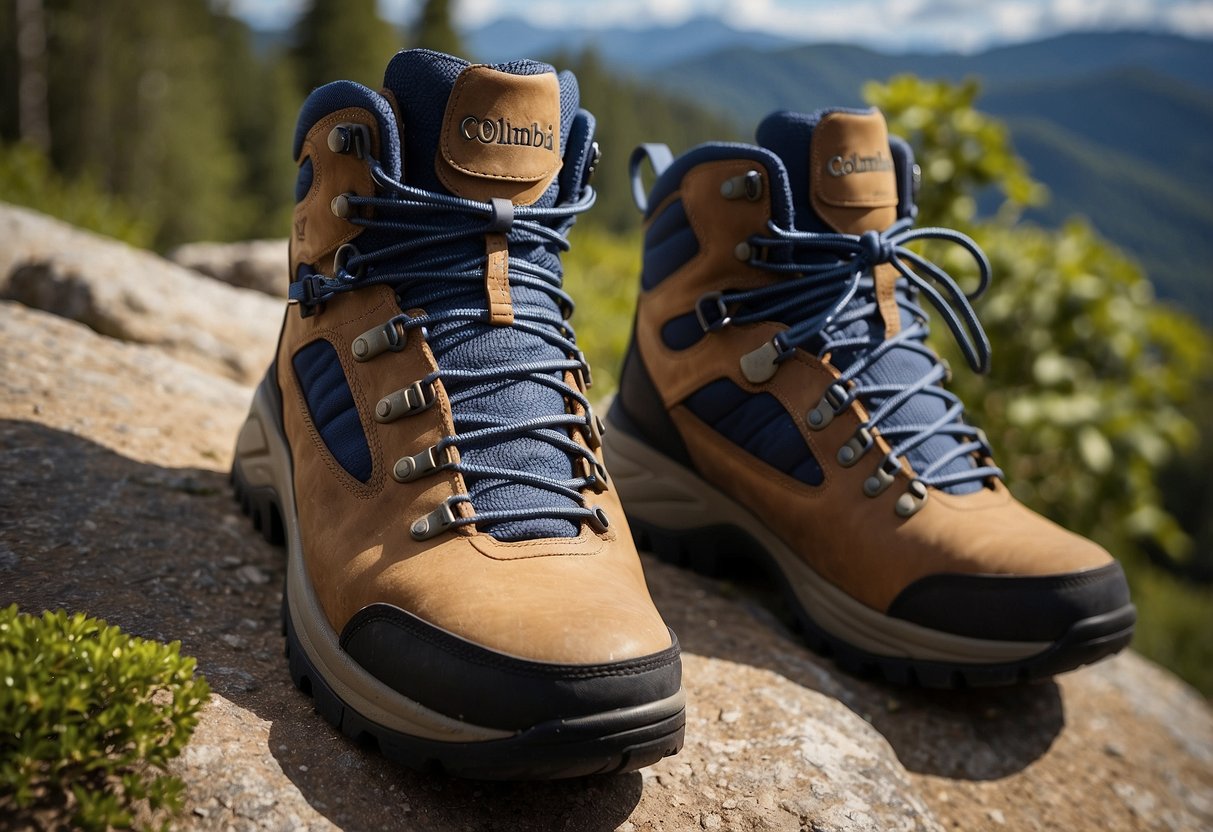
[[831, 287], [426, 263]]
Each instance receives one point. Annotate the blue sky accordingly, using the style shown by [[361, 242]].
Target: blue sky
[[936, 24]]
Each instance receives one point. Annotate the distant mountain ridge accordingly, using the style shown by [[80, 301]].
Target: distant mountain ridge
[[1116, 124], [628, 48]]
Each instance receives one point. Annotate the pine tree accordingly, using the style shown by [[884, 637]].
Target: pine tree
[[343, 39], [435, 29], [135, 105]]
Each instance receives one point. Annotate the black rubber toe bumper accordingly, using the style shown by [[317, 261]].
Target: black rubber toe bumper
[[473, 684], [568, 737], [1016, 607]]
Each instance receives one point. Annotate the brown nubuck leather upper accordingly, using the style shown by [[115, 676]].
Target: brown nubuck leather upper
[[858, 543], [579, 600]]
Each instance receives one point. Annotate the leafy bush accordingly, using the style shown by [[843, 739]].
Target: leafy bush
[[89, 716], [26, 178]]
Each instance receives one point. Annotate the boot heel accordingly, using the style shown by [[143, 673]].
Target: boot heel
[[255, 474]]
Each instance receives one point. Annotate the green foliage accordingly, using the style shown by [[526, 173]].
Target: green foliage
[[960, 150], [89, 717], [26, 178], [602, 274], [343, 39], [435, 30]]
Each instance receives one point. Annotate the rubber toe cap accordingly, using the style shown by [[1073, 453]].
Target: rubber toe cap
[[1016, 607], [472, 683]]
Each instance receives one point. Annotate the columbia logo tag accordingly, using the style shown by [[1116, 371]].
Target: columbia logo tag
[[846, 165], [501, 131]]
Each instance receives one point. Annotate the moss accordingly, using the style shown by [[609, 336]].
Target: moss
[[89, 718]]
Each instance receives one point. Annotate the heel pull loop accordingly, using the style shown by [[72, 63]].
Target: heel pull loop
[[659, 157]]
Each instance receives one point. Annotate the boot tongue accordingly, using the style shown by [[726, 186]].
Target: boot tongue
[[840, 167], [492, 132], [843, 178], [480, 132]]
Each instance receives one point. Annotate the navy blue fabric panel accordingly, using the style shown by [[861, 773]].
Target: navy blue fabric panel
[[682, 332], [758, 423], [331, 406], [808, 470], [714, 401], [668, 247], [673, 218]]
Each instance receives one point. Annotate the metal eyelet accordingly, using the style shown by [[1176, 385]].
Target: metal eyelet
[[882, 477], [391, 337], [855, 447], [437, 521], [912, 501], [406, 401], [598, 521], [748, 185], [349, 137], [594, 472], [760, 365], [594, 429], [583, 372], [409, 468], [833, 401], [342, 256], [743, 251], [340, 206], [721, 317]]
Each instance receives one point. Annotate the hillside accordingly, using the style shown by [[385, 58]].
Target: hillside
[[638, 49]]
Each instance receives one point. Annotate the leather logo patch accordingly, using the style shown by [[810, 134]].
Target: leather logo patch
[[500, 135], [852, 178]]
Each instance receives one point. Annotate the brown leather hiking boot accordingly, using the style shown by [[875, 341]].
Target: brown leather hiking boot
[[462, 586], [778, 405]]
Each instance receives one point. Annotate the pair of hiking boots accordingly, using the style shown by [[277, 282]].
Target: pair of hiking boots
[[462, 581]]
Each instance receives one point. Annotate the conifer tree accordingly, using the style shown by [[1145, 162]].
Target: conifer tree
[[436, 30], [343, 39]]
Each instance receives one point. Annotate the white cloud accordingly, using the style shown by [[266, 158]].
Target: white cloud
[[1191, 18]]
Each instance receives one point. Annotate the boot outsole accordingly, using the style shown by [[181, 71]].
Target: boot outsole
[[721, 551], [614, 742]]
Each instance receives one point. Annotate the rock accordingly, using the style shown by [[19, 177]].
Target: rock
[[113, 460], [255, 264], [133, 295]]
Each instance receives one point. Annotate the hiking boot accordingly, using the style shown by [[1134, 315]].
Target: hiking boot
[[461, 586], [778, 405]]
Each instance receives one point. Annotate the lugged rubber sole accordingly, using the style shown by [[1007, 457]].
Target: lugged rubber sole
[[408, 732], [683, 520]]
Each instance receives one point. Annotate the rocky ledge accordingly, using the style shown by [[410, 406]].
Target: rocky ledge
[[125, 379]]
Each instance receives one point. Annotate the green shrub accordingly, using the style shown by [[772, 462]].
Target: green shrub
[[26, 178], [89, 716]]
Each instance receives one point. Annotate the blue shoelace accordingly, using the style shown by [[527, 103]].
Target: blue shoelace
[[431, 267], [823, 298]]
